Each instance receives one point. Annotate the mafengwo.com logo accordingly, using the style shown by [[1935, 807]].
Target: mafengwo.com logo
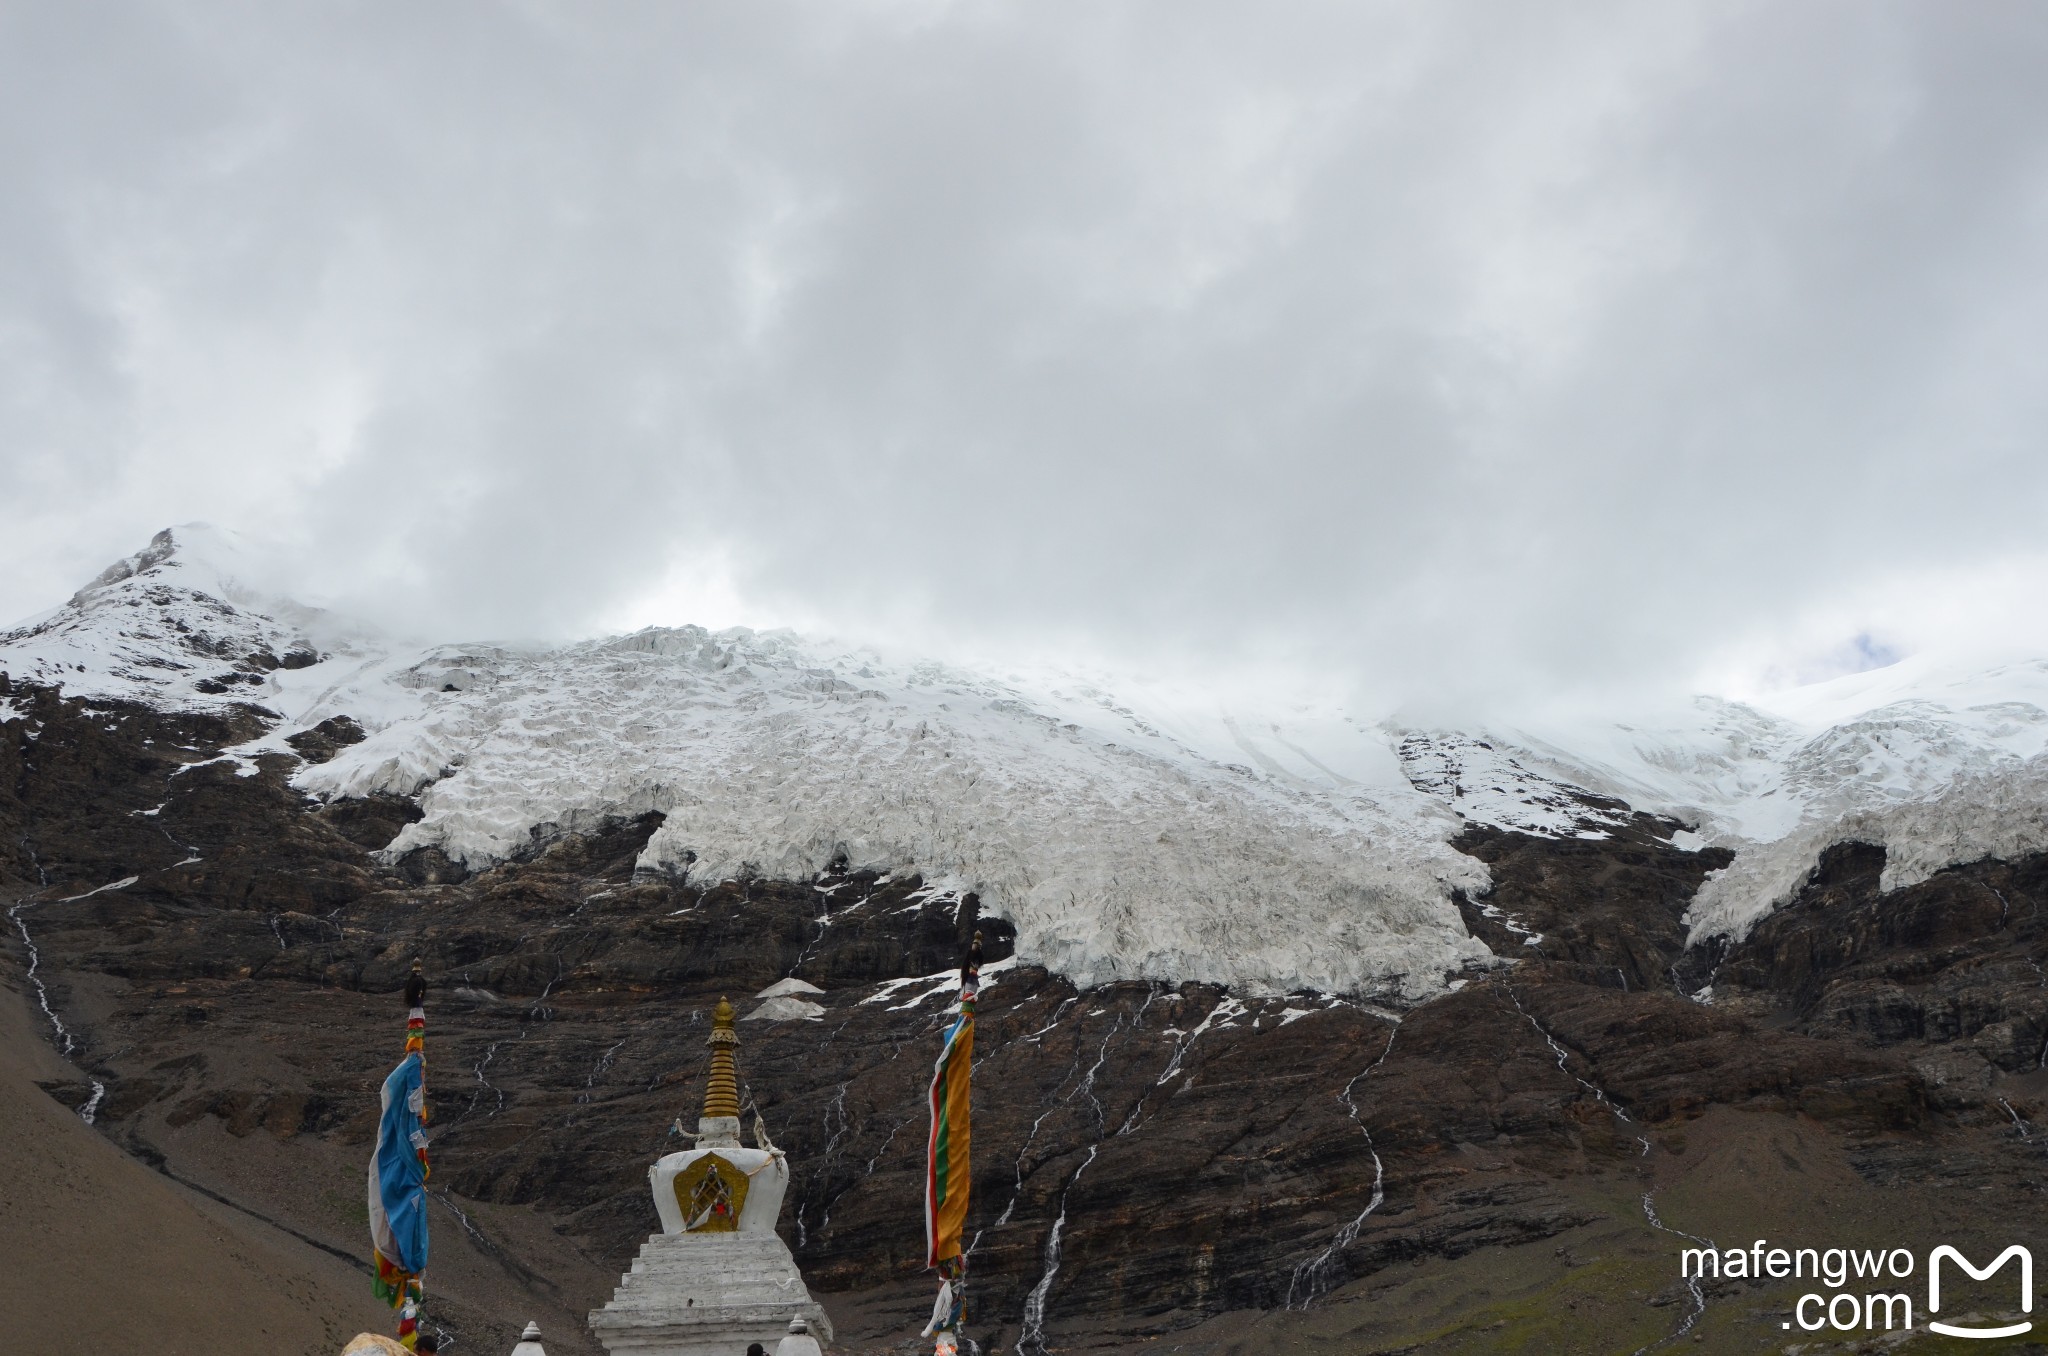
[[1873, 1289]]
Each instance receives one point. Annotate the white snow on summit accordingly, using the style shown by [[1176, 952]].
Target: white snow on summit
[[1128, 829], [1487, 780], [179, 624]]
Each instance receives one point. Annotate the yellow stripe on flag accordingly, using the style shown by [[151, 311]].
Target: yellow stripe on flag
[[948, 1172]]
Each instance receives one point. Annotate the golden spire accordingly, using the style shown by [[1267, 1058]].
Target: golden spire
[[722, 1087]]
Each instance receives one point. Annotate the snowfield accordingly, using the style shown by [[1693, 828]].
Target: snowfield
[[1174, 841], [1938, 759], [1129, 830], [1118, 850]]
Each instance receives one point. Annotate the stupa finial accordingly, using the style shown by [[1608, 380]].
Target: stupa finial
[[722, 1086]]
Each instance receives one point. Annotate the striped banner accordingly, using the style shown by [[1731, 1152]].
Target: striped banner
[[946, 1166], [398, 1174]]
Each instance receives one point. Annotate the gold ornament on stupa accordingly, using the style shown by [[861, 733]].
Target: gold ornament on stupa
[[722, 1085], [712, 1191]]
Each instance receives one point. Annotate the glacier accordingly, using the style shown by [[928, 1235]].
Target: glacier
[[1940, 758], [1129, 829], [1125, 840]]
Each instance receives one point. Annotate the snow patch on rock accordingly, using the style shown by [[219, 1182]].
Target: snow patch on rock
[[786, 1010], [788, 988], [1485, 780]]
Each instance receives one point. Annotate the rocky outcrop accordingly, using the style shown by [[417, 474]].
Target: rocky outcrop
[[1609, 908], [1950, 967]]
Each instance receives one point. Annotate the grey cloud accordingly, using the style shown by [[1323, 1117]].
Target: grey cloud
[[1447, 348]]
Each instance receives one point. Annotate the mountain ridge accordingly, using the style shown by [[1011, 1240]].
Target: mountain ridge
[[1128, 834]]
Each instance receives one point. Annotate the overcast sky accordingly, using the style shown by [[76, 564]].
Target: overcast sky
[[1418, 348]]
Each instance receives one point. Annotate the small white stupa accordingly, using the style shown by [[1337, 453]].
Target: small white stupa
[[799, 1342], [717, 1276]]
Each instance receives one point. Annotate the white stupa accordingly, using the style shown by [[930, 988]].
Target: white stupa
[[799, 1342], [717, 1276]]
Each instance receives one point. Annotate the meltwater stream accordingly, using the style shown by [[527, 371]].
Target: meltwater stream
[[1692, 1283], [1650, 1216], [1031, 1340], [1312, 1278], [65, 1042], [1599, 1094]]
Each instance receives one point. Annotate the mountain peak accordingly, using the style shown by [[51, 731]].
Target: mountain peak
[[184, 623], [160, 548], [196, 556]]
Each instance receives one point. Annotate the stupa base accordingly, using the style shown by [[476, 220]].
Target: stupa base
[[707, 1295]]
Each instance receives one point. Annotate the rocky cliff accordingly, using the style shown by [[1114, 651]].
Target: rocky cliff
[[1499, 1168]]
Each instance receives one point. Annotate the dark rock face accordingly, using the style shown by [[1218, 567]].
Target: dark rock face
[[326, 739], [1953, 963], [1608, 909], [1197, 1152]]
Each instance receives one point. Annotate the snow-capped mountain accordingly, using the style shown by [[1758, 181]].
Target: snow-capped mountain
[[1939, 761], [1126, 830], [1122, 840]]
